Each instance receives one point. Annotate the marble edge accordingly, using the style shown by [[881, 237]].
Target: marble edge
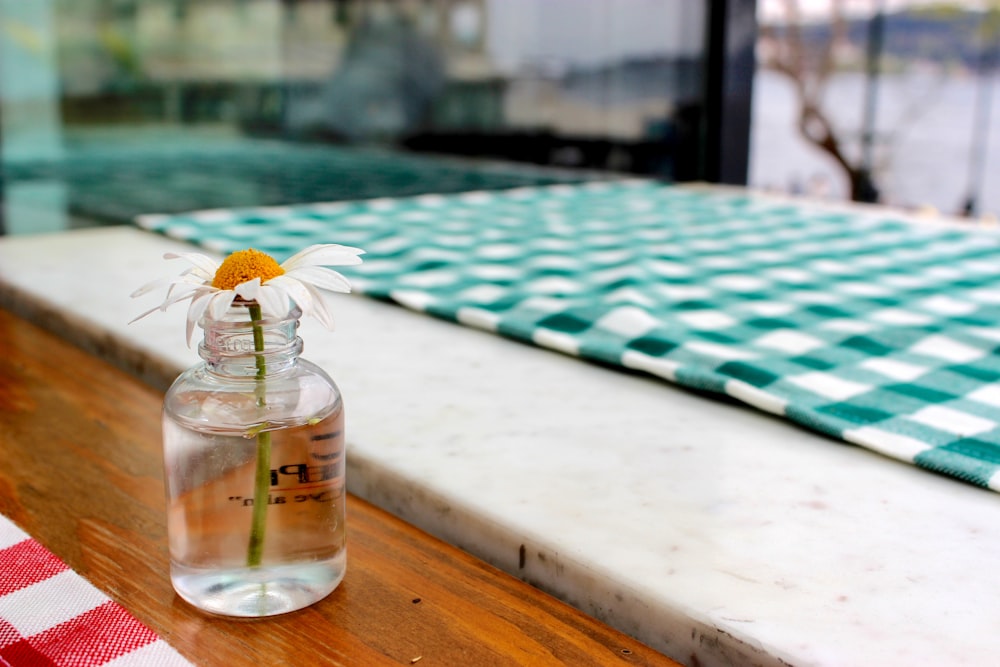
[[157, 372], [525, 556]]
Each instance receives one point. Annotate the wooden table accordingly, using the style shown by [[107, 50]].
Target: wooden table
[[82, 474]]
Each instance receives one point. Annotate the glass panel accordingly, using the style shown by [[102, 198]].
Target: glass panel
[[114, 108]]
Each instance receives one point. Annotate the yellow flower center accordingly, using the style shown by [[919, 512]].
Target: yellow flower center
[[244, 265]]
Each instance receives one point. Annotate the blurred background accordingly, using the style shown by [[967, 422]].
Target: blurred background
[[111, 108], [114, 108], [887, 101]]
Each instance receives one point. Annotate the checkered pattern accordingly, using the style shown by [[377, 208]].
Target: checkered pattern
[[50, 617], [878, 331]]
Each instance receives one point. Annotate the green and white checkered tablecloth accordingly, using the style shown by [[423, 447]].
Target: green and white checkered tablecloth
[[878, 331]]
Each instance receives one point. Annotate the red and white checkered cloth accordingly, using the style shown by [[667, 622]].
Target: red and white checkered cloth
[[51, 617]]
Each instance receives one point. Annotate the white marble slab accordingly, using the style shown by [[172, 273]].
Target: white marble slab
[[713, 533]]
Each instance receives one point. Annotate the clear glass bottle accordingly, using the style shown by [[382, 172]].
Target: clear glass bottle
[[253, 444]]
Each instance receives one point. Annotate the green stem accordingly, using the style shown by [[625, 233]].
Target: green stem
[[262, 476]]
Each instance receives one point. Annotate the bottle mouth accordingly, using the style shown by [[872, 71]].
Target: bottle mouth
[[236, 335]]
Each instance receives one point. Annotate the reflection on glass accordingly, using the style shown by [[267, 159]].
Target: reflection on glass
[[113, 108]]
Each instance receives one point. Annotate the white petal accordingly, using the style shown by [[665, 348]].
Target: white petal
[[187, 291], [273, 300], [152, 285], [195, 311], [327, 254], [319, 310], [164, 305], [305, 296], [188, 284], [191, 276], [220, 303], [203, 276], [248, 290], [202, 262], [320, 277], [148, 312], [171, 300], [294, 289]]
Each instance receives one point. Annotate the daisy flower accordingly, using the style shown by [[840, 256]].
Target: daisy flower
[[252, 276]]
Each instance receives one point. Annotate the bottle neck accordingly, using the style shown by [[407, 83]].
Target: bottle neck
[[237, 346]]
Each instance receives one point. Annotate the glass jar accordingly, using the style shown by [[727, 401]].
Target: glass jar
[[253, 446]]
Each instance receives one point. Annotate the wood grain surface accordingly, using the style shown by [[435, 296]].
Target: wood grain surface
[[81, 473]]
